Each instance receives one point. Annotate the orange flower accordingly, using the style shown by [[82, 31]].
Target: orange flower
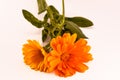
[[34, 55], [68, 56]]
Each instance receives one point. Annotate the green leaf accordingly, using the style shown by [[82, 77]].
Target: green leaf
[[44, 34], [46, 17], [33, 20], [53, 13], [55, 18], [73, 28], [42, 5], [53, 9], [80, 21]]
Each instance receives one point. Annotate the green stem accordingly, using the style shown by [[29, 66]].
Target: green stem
[[63, 10]]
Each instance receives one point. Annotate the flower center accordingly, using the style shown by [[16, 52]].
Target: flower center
[[41, 56], [65, 57]]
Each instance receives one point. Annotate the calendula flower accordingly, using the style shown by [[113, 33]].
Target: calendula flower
[[34, 55], [68, 55]]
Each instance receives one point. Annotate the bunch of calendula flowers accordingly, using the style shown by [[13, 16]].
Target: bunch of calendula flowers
[[67, 50]]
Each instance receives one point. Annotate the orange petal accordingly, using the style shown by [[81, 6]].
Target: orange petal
[[87, 48], [64, 70], [81, 42], [81, 67], [73, 38]]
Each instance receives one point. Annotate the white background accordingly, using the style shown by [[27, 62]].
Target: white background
[[104, 37]]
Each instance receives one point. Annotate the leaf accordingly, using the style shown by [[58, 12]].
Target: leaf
[[42, 5], [33, 20], [55, 18], [80, 21], [53, 13], [44, 34], [73, 28], [46, 17], [53, 9]]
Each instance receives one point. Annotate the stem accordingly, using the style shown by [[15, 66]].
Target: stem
[[63, 10]]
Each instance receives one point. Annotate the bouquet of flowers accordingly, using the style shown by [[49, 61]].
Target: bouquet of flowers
[[66, 50]]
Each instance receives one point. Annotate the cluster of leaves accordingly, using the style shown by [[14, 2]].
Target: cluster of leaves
[[54, 23]]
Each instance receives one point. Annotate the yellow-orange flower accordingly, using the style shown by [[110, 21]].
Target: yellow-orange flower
[[34, 55], [68, 56]]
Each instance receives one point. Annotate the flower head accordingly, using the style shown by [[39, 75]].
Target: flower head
[[34, 55], [68, 55]]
